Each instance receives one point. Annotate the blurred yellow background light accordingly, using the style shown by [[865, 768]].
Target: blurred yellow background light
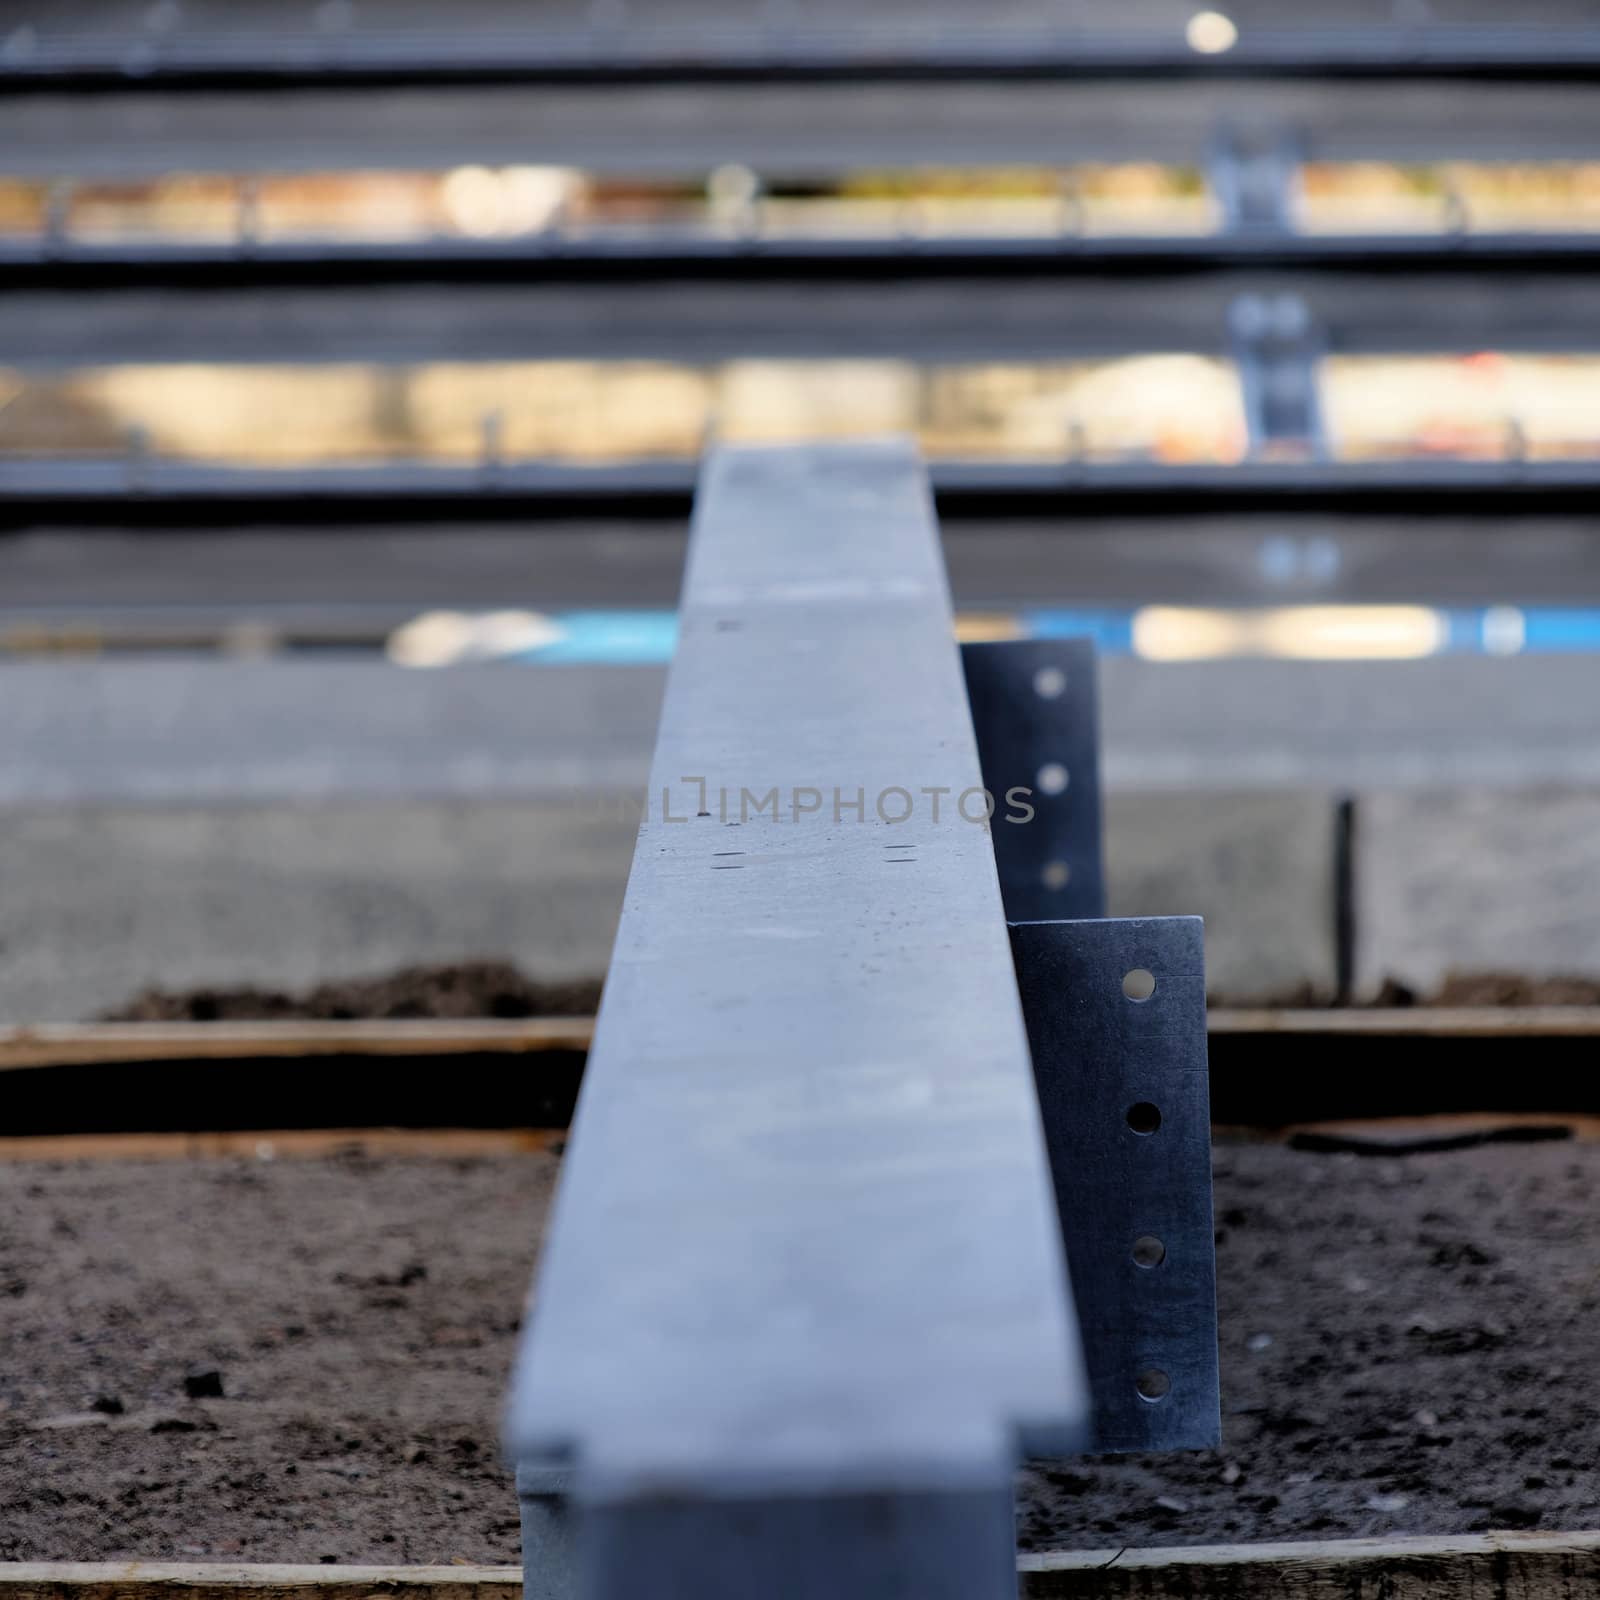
[[1210, 33], [1304, 633], [486, 204]]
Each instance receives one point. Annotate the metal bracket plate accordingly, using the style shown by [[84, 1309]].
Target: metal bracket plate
[[549, 1555], [1124, 1093], [1035, 707]]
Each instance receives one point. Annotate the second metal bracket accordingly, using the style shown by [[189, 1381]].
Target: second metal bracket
[[1116, 1017]]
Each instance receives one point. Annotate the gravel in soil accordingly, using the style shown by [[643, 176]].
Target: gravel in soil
[[303, 1360]]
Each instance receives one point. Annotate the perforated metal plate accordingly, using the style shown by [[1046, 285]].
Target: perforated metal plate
[[1123, 1089], [1035, 708]]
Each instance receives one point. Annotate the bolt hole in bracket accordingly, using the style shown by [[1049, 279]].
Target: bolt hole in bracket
[[1115, 1012]]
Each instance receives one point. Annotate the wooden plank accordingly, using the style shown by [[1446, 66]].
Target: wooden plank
[[157, 1580], [282, 1144], [1410, 1022], [62, 1044], [1504, 1566], [1444, 1125], [1418, 1072], [321, 1143], [1476, 1566]]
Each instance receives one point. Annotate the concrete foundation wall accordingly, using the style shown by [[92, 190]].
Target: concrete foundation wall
[[184, 731], [182, 823], [1477, 880], [102, 901], [98, 903], [1259, 867]]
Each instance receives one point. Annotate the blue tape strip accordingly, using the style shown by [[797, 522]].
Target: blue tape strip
[[642, 638], [608, 638]]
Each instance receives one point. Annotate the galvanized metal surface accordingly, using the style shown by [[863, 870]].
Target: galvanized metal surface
[[951, 1542], [805, 1249], [1035, 708], [1123, 1088], [549, 1554]]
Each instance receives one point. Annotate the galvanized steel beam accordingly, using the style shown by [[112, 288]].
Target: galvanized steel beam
[[803, 1300]]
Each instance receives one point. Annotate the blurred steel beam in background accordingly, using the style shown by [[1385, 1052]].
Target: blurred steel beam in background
[[645, 50], [54, 262], [791, 130], [171, 493], [1030, 317]]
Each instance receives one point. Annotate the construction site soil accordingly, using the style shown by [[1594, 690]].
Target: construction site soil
[[303, 1360], [458, 990], [450, 992]]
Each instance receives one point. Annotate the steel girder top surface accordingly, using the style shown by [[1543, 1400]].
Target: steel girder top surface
[[804, 1276]]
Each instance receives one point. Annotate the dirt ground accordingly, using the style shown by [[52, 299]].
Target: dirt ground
[[498, 989], [449, 993], [1407, 1347]]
